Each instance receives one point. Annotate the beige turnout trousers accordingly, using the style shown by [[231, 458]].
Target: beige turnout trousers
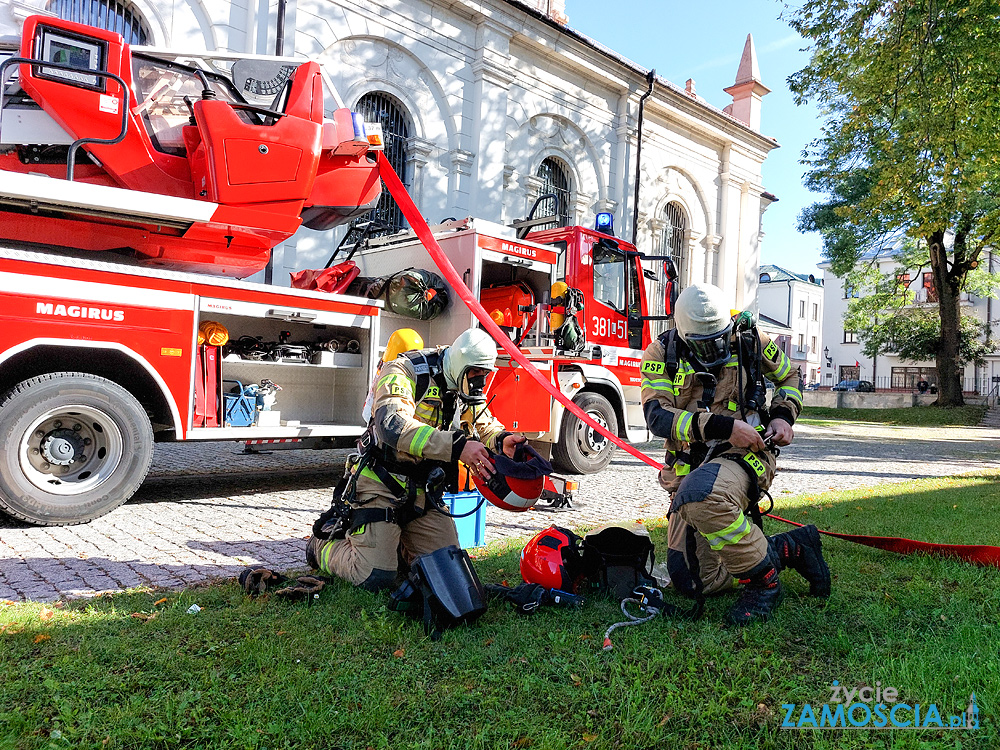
[[369, 557], [713, 500]]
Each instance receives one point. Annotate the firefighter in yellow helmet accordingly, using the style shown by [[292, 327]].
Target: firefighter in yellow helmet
[[429, 412], [401, 341], [703, 390]]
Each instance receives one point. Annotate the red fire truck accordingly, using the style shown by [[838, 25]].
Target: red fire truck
[[152, 167], [516, 280], [98, 360]]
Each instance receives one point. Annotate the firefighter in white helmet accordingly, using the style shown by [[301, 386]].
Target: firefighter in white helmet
[[429, 412], [704, 391]]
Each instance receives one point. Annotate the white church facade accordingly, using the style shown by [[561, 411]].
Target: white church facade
[[489, 104]]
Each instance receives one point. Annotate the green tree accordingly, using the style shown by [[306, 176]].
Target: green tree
[[910, 147]]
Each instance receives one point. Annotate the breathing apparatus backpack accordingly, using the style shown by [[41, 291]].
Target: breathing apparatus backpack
[[443, 590], [566, 329], [618, 559]]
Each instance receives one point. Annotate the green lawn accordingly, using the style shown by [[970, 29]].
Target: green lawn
[[921, 416], [345, 673]]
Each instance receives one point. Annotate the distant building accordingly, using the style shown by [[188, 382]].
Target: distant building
[[847, 361], [794, 301]]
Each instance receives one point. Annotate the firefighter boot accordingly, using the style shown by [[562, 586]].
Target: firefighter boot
[[760, 596], [801, 550], [312, 552]]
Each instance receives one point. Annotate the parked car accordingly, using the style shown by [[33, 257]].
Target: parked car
[[862, 386], [812, 387]]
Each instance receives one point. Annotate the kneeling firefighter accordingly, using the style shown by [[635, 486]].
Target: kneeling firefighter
[[429, 411], [703, 390]]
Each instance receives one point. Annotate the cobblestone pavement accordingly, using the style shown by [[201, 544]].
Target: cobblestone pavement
[[207, 511]]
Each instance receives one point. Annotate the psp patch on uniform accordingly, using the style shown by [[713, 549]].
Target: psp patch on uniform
[[398, 390], [755, 463], [433, 392], [771, 351], [654, 368]]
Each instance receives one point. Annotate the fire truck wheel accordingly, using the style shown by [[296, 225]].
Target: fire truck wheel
[[77, 446], [581, 449]]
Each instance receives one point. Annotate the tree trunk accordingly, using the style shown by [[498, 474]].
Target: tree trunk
[[949, 369]]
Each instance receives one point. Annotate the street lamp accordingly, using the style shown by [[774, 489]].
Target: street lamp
[[826, 356]]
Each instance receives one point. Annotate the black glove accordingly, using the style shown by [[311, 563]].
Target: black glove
[[527, 597]]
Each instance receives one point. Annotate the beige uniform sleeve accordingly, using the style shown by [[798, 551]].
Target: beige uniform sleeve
[[394, 423], [786, 403], [479, 424]]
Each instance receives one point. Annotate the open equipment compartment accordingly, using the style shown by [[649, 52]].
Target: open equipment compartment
[[488, 256], [322, 391]]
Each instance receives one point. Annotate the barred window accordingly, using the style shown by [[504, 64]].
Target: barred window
[[105, 14], [381, 108], [673, 242], [555, 180]]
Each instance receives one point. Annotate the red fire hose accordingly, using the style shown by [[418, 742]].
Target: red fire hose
[[978, 554]]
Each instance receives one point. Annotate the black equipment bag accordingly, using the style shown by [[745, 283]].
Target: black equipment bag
[[413, 292], [443, 590], [617, 559], [416, 293]]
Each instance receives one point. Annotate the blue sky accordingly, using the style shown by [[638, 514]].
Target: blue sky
[[704, 41]]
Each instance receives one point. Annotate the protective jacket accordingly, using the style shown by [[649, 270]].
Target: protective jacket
[[413, 421], [673, 404]]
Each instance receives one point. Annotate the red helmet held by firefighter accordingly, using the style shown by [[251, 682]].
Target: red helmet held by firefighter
[[516, 483]]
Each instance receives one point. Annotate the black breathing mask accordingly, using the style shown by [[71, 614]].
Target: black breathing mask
[[711, 350], [472, 388]]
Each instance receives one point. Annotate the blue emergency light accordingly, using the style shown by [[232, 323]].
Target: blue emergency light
[[605, 223], [358, 120]]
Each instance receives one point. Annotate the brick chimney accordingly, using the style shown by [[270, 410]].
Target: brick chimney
[[554, 9]]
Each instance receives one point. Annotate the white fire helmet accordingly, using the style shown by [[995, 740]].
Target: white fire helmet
[[473, 348], [703, 322]]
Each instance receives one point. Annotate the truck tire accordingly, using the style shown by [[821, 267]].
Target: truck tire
[[581, 449], [76, 446]]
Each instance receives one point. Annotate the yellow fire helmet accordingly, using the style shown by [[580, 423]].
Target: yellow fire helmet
[[214, 334], [403, 340]]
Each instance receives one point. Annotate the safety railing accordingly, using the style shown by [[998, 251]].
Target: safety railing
[[75, 146], [895, 384]]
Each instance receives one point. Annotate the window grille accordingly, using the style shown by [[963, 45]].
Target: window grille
[[554, 180], [673, 242], [381, 108], [104, 14]]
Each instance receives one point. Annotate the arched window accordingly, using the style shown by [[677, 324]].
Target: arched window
[[105, 14], [673, 242], [555, 180], [381, 108]]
